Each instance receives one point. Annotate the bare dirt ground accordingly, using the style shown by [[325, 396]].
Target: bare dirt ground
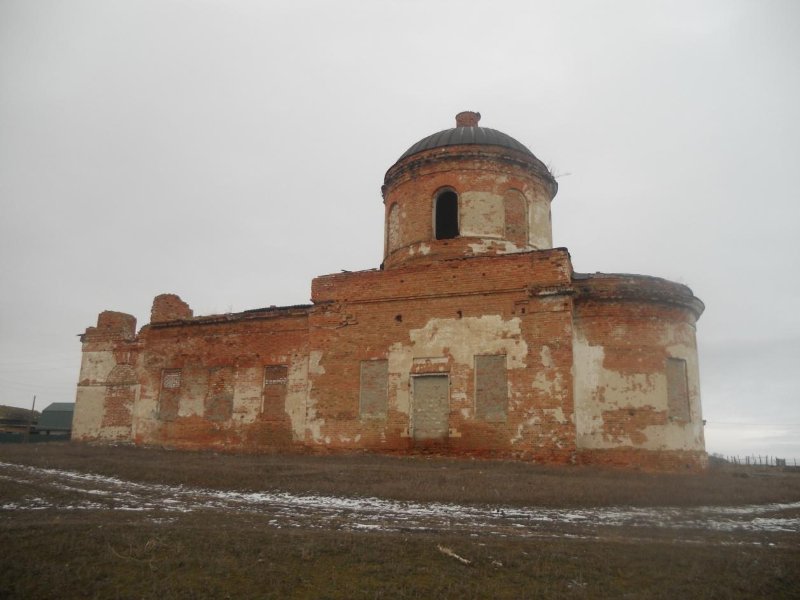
[[83, 521]]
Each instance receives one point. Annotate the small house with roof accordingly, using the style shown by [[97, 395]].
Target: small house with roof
[[56, 419]]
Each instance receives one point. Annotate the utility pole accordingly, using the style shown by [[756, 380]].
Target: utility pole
[[30, 421]]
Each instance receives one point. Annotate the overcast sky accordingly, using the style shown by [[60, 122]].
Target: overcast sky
[[229, 151]]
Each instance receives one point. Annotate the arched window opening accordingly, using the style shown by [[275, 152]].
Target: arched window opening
[[446, 215]]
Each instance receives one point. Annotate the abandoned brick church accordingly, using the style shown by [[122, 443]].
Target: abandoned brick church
[[474, 338]]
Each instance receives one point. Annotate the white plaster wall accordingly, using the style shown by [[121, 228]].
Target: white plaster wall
[[297, 395], [485, 246], [96, 366], [248, 393], [247, 390], [144, 414], [461, 340], [540, 228], [481, 214], [194, 388], [597, 389], [89, 408], [393, 229], [313, 424], [685, 346]]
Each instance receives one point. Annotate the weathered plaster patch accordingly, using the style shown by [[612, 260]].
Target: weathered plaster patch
[[628, 409], [190, 406], [458, 339], [551, 384], [313, 424], [527, 424], [400, 359], [556, 414], [314, 366], [546, 356], [496, 246], [627, 425], [247, 394], [540, 230], [482, 214], [619, 332], [89, 409], [393, 228], [465, 337], [297, 395], [96, 366]]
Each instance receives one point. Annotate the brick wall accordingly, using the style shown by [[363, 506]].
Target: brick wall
[[627, 329], [485, 179]]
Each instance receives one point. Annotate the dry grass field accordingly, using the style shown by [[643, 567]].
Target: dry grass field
[[80, 521]]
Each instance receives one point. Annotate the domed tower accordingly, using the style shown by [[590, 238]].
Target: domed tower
[[466, 191]]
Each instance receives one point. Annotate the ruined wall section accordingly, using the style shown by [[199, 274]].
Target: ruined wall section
[[434, 321], [503, 204], [169, 307], [107, 385], [225, 381], [637, 389]]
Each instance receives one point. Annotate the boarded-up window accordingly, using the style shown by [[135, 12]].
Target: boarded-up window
[[374, 388], [275, 379], [491, 387], [516, 214], [677, 389], [431, 407], [393, 230], [169, 394], [219, 399]]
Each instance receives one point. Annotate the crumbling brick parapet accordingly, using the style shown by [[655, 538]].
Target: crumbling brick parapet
[[169, 307], [111, 325]]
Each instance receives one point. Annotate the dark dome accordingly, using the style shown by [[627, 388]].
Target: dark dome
[[467, 132], [467, 135]]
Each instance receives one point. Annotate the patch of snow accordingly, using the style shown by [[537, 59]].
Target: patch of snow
[[377, 514]]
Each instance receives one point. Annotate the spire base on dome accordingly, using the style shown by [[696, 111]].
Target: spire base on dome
[[468, 118]]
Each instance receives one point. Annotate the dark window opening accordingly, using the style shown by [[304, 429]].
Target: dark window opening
[[446, 216]]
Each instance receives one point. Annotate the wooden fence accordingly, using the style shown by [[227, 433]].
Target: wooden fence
[[758, 460]]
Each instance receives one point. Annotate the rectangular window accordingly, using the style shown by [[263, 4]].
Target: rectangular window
[[171, 379], [374, 397], [273, 407], [677, 389], [169, 394], [491, 387]]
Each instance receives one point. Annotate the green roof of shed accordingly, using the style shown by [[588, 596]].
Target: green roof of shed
[[57, 416]]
